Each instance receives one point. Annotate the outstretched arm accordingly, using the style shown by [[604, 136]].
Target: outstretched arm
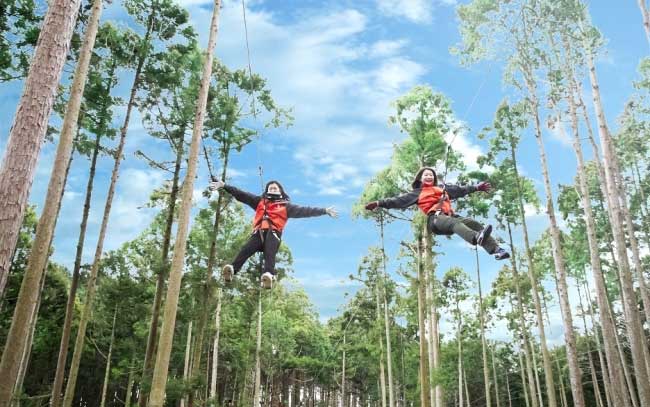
[[398, 202], [296, 211], [242, 196], [458, 191]]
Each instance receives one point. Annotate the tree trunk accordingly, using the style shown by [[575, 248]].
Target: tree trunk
[[634, 328], [27, 350], [382, 373], [342, 376], [206, 300], [496, 380], [523, 380], [19, 165], [537, 382], [258, 349], [171, 303], [522, 321], [618, 393], [592, 367], [55, 45], [215, 348], [152, 337], [548, 370], [459, 329], [424, 367], [186, 366], [90, 291], [389, 353], [129, 385], [481, 318], [562, 388], [575, 374], [57, 385], [107, 374]]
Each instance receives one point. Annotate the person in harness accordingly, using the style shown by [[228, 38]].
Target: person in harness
[[435, 201], [272, 210]]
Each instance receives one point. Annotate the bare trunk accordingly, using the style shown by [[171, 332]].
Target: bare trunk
[[90, 291], [215, 348], [522, 321], [562, 388], [634, 328], [186, 365], [481, 318], [618, 393], [55, 46], [546, 359], [523, 375], [19, 165], [57, 386], [164, 265], [389, 353], [382, 374], [27, 350], [129, 385], [592, 368], [575, 373], [107, 374], [171, 304], [258, 349], [459, 330], [424, 366], [342, 376], [206, 300], [496, 380], [537, 382]]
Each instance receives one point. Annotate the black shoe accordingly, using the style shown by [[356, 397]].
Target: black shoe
[[483, 235], [501, 254]]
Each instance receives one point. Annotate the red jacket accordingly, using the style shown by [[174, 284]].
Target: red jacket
[[277, 211]]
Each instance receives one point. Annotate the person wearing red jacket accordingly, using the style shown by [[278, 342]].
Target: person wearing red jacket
[[435, 201], [272, 210]]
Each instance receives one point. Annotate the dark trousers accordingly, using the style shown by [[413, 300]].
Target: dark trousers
[[464, 227], [266, 241]]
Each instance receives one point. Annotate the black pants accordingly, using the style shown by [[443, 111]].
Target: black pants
[[464, 227], [267, 241]]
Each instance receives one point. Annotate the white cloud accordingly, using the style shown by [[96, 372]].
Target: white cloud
[[418, 11], [386, 48]]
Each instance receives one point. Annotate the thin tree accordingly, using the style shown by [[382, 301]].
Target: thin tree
[[171, 303]]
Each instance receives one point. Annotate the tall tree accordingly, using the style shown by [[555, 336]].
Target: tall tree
[[96, 120], [171, 303]]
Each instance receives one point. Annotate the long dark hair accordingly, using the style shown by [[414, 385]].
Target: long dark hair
[[284, 194]]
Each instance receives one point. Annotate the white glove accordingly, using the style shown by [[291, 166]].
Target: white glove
[[332, 212], [214, 185]]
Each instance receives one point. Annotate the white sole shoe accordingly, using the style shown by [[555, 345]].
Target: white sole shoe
[[227, 273], [267, 281]]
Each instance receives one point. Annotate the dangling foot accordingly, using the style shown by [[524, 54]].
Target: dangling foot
[[501, 254], [483, 235], [267, 280], [227, 273]]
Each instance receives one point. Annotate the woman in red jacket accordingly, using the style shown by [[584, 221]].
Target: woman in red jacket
[[272, 210], [435, 201]]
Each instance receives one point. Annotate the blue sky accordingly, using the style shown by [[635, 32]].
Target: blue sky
[[339, 64]]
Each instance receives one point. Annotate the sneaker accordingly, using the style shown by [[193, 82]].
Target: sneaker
[[501, 254], [483, 235], [227, 273], [267, 280]]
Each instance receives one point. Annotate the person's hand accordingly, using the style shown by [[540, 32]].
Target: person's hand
[[217, 184], [371, 206], [332, 212], [483, 186]]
